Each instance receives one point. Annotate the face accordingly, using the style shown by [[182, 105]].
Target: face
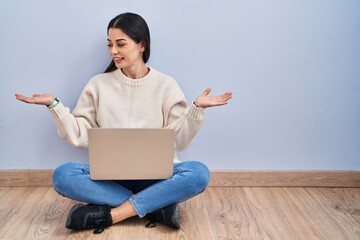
[[124, 51]]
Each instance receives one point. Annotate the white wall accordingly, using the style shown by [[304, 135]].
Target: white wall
[[293, 66]]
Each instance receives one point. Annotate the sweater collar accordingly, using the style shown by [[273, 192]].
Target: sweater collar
[[134, 82]]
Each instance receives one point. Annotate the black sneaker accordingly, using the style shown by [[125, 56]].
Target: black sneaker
[[168, 216], [89, 216]]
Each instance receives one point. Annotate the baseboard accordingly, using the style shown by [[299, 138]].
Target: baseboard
[[25, 178], [42, 178], [286, 178]]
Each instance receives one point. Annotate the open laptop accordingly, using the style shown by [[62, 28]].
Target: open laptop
[[131, 153]]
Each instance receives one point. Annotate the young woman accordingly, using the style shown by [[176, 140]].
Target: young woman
[[129, 94]]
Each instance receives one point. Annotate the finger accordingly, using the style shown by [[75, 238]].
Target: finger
[[223, 98], [36, 95], [19, 97], [206, 92], [227, 96], [26, 99]]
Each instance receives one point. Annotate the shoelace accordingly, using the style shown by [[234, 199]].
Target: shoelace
[[97, 222], [155, 218], [151, 222]]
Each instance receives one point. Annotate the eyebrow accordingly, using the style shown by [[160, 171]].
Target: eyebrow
[[118, 40]]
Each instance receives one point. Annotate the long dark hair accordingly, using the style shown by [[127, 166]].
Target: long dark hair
[[136, 28]]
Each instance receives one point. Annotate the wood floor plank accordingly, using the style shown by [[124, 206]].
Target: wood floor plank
[[3, 191], [60, 232], [196, 223], [12, 200], [294, 216], [278, 215], [344, 200], [273, 222], [38, 216], [18, 225], [223, 210], [218, 213], [329, 223], [49, 216], [355, 210], [336, 205], [249, 224]]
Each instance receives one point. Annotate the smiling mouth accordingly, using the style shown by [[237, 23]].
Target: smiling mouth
[[118, 59]]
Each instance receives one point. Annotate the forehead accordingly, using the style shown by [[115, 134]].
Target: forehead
[[116, 33]]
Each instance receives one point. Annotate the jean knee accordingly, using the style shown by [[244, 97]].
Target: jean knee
[[200, 175], [204, 176], [63, 176], [59, 175]]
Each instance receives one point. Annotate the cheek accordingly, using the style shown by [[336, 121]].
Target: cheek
[[109, 51]]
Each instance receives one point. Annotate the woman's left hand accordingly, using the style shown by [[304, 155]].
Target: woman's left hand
[[204, 101]]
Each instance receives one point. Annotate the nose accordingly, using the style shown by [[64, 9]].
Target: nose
[[114, 50]]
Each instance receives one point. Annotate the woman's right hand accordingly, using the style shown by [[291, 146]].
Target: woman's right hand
[[40, 99]]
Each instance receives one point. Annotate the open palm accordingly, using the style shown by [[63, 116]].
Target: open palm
[[41, 99], [204, 100]]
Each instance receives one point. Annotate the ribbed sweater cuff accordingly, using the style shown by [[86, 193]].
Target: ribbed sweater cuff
[[195, 112], [59, 110]]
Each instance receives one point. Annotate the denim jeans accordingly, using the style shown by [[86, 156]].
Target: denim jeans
[[190, 178]]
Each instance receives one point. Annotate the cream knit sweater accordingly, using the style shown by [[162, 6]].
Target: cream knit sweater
[[112, 100]]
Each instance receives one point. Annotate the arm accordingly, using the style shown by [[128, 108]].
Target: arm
[[71, 126], [187, 121]]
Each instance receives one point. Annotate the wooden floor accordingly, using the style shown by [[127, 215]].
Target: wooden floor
[[218, 213]]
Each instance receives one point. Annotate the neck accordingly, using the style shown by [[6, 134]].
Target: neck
[[136, 72]]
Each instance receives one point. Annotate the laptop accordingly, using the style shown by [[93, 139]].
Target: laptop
[[131, 153]]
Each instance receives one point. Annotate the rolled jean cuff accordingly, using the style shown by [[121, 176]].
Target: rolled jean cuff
[[189, 179], [136, 207]]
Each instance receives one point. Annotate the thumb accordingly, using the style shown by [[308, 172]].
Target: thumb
[[206, 92]]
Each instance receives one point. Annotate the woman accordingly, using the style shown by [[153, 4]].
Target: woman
[[128, 95]]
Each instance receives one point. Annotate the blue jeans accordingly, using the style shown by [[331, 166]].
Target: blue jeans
[[190, 178]]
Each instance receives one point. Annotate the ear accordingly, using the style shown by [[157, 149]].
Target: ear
[[142, 46]]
